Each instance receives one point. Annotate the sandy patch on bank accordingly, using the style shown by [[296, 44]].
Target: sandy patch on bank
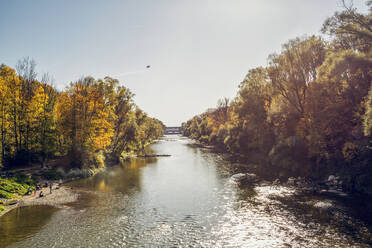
[[58, 198]]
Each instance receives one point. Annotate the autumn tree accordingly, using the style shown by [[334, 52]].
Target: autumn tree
[[367, 118], [350, 29], [26, 69], [295, 68], [11, 107], [83, 120], [251, 108]]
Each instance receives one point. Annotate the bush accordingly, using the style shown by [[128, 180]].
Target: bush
[[76, 173], [1, 209], [11, 186], [24, 179], [6, 195], [99, 160], [349, 151], [80, 173], [52, 174], [16, 185], [11, 202], [204, 139], [289, 158]]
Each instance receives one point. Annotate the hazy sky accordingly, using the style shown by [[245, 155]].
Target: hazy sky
[[199, 50]]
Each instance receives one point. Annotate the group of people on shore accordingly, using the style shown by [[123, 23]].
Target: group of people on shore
[[45, 185]]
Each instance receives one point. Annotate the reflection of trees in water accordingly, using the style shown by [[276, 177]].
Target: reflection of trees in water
[[22, 222], [122, 178]]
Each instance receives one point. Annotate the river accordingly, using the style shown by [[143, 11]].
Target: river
[[185, 200]]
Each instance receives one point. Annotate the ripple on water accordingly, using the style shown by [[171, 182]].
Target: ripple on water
[[189, 200], [264, 222], [23, 222]]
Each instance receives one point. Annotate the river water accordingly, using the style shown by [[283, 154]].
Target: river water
[[185, 200]]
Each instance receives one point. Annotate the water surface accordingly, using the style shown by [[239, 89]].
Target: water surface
[[186, 200]]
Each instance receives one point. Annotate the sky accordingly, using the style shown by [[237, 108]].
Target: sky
[[199, 50]]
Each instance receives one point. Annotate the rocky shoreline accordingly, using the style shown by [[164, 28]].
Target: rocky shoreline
[[333, 185], [243, 176]]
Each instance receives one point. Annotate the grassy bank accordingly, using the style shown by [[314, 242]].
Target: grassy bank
[[13, 187]]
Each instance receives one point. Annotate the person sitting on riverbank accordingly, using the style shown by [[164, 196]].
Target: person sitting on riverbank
[[41, 194]]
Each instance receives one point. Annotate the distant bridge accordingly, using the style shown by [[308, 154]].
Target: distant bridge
[[172, 130]]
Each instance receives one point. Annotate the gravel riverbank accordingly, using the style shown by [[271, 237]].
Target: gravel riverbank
[[58, 198]]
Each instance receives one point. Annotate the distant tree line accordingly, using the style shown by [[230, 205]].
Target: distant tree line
[[309, 112], [88, 123]]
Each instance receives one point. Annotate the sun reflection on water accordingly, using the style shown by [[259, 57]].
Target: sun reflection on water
[[189, 200]]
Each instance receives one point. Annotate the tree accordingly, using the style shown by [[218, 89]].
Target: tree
[[367, 118], [83, 120], [352, 30], [4, 104], [26, 71], [295, 68], [251, 110], [11, 107]]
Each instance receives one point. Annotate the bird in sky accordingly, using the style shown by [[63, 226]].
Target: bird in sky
[[148, 66]]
